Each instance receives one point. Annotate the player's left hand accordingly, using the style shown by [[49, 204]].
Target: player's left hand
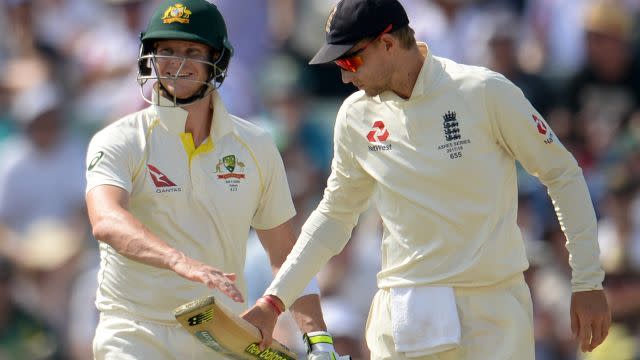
[[590, 318], [320, 346]]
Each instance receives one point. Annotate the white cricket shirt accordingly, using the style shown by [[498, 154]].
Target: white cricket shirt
[[202, 201], [440, 167]]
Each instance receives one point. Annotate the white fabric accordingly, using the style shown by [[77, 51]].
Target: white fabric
[[314, 257], [424, 320], [194, 201], [119, 337], [496, 323], [327, 356], [441, 168]]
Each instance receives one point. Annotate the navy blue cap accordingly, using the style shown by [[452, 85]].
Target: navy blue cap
[[353, 20]]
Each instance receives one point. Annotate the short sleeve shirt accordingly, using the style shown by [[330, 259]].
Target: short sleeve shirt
[[201, 201]]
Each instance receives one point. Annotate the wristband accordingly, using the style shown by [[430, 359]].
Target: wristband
[[268, 300]]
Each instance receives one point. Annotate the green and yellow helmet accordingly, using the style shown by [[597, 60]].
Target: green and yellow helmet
[[192, 20]]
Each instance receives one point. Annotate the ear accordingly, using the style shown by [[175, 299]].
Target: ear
[[388, 41]]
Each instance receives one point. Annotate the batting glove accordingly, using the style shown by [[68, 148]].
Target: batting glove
[[320, 347]]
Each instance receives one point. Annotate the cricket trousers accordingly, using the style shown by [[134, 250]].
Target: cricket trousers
[[119, 337], [496, 324]]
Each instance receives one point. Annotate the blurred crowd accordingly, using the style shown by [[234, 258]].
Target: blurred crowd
[[68, 68]]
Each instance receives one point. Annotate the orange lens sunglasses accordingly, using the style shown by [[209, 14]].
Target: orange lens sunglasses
[[353, 61]]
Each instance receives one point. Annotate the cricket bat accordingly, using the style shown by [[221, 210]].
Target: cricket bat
[[217, 327]]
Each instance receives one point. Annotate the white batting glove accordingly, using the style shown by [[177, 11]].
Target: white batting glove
[[320, 347]]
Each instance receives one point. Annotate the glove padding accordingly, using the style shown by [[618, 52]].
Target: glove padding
[[320, 347], [327, 356]]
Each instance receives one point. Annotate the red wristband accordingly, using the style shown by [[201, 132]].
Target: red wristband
[[268, 300]]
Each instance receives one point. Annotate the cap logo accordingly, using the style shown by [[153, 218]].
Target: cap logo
[[327, 26], [176, 13]]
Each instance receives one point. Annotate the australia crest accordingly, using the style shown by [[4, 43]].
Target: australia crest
[[176, 13]]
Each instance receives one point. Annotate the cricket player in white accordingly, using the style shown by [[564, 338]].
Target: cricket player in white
[[434, 144], [172, 192]]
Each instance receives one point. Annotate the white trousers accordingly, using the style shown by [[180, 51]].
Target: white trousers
[[496, 323], [121, 338]]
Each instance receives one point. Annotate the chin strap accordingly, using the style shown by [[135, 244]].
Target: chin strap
[[199, 95], [147, 65]]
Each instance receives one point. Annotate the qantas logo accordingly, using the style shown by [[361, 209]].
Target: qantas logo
[[161, 181]]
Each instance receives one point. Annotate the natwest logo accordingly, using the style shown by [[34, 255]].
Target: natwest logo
[[161, 180], [379, 133], [542, 127]]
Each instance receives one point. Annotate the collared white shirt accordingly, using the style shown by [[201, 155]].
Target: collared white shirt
[[201, 201], [440, 168], [446, 187]]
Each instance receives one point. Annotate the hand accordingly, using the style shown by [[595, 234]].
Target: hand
[[320, 346], [263, 317], [590, 318], [196, 271]]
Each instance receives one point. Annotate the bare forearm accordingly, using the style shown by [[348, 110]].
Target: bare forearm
[[307, 313], [114, 225], [129, 237]]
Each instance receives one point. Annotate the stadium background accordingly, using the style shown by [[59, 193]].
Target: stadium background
[[68, 67]]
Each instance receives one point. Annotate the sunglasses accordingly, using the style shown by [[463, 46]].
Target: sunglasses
[[353, 61]]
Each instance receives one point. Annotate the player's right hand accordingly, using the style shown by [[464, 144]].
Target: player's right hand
[[263, 317], [590, 318], [213, 278]]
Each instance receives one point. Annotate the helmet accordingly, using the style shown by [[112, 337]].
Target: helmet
[[192, 20]]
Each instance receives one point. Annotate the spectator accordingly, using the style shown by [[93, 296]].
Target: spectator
[[23, 336], [606, 90], [48, 258], [41, 177]]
